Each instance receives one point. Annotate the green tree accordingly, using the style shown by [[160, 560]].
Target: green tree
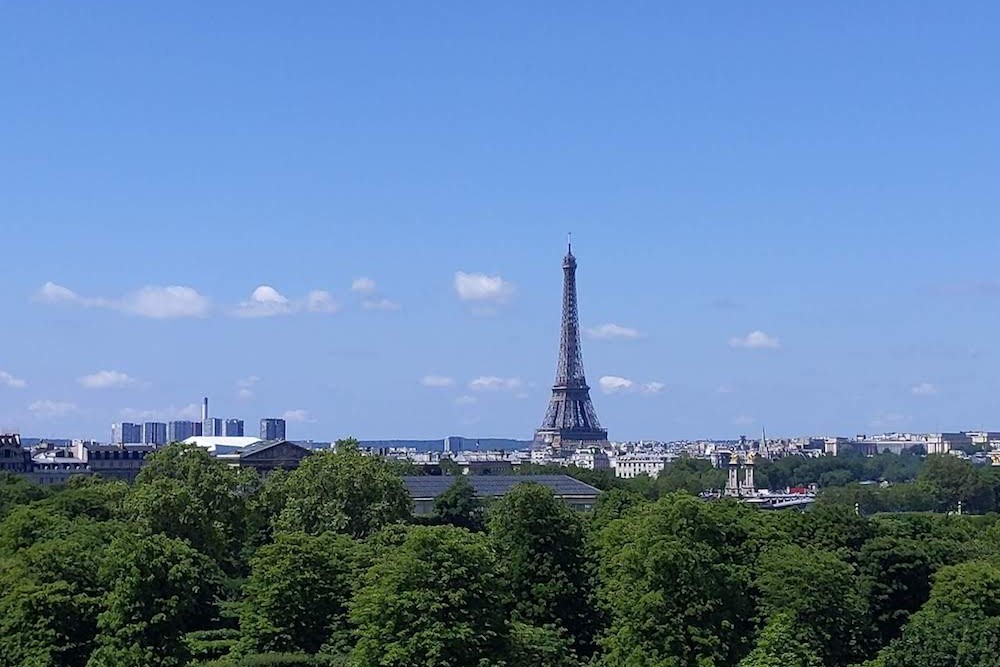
[[958, 626], [819, 591], [297, 595], [160, 588], [674, 583], [896, 573], [50, 596], [782, 644], [540, 545], [459, 506], [342, 492], [212, 484], [16, 491], [168, 506], [952, 481], [532, 646], [435, 601]]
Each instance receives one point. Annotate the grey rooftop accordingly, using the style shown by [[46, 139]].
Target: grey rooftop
[[492, 486]]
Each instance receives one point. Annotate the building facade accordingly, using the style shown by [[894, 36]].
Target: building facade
[[272, 429], [154, 433], [212, 427], [233, 428], [126, 432], [181, 430]]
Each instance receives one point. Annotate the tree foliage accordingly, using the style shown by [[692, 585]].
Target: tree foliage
[[342, 492], [297, 595], [433, 602]]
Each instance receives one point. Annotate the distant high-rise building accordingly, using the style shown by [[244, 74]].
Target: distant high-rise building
[[233, 428], [124, 433], [154, 433], [272, 429], [182, 430], [212, 427]]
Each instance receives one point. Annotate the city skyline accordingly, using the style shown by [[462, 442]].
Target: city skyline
[[781, 218]]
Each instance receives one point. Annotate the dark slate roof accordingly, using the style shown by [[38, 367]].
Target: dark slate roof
[[432, 486], [267, 444]]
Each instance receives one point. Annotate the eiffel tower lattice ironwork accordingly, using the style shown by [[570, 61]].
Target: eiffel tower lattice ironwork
[[571, 421]]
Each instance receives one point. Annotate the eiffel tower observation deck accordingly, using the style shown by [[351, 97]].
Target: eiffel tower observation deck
[[571, 421]]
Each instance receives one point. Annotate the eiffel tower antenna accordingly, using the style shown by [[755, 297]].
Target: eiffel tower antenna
[[570, 421]]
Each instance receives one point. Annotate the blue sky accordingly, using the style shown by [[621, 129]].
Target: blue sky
[[787, 210]]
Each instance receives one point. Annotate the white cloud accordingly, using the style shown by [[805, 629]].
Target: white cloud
[[480, 287], [744, 420], [10, 381], [166, 302], [755, 340], [924, 389], [725, 389], [465, 400], [613, 384], [245, 387], [363, 285], [265, 301], [610, 331], [494, 383], [50, 292], [297, 415], [437, 381], [379, 304], [152, 301], [106, 380], [53, 409], [321, 301]]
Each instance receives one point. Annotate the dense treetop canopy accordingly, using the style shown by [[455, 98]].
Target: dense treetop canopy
[[201, 564]]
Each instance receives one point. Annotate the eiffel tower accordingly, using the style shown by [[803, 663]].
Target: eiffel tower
[[570, 421]]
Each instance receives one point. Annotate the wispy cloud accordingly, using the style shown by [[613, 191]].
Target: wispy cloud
[[494, 383], [321, 301], [755, 340], [266, 301], [481, 287], [379, 304], [245, 387], [610, 331], [106, 380], [8, 380], [363, 285], [725, 389], [53, 409], [297, 415], [615, 384], [744, 420], [152, 301], [924, 389], [437, 381], [465, 400]]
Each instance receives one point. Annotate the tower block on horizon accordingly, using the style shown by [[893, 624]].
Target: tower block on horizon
[[571, 420]]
